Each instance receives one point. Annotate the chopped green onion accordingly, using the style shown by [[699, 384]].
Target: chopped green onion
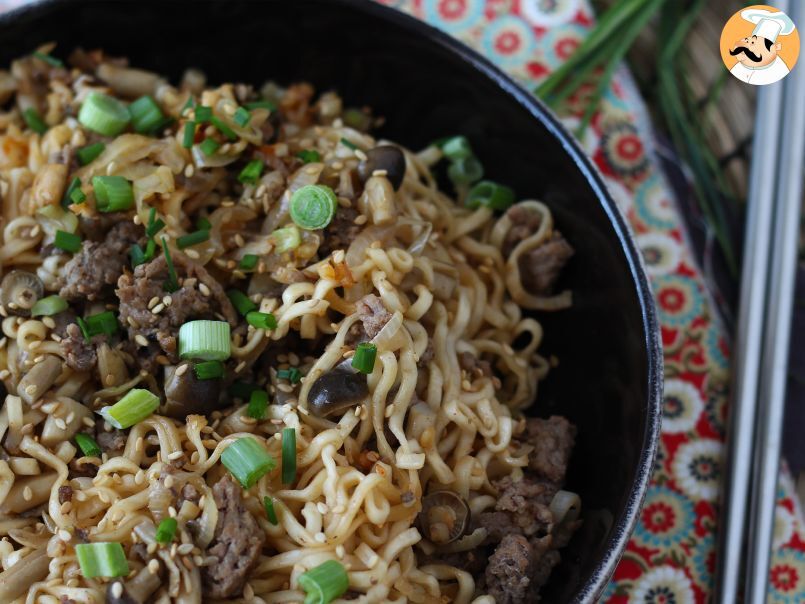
[[203, 224], [78, 196], [309, 155], [48, 306], [209, 370], [271, 106], [324, 583], [349, 143], [74, 185], [288, 455], [292, 374], [34, 120], [242, 117], [241, 301], [172, 284], [258, 403], [205, 340], [209, 146], [154, 227], [82, 325], [192, 239], [357, 119], [247, 460], [131, 409], [313, 206], [241, 389], [261, 320], [203, 113], [137, 256], [146, 115], [489, 194], [89, 153], [191, 102], [104, 322], [104, 114], [251, 172], [112, 193], [166, 530], [456, 147], [69, 242], [88, 446], [270, 513], [224, 128], [50, 60], [102, 560], [465, 171], [189, 134], [150, 249], [286, 239], [364, 358], [248, 262]]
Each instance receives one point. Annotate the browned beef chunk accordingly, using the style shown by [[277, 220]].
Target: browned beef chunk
[[524, 224], [473, 365], [96, 227], [96, 268], [526, 501], [65, 493], [112, 442], [187, 303], [78, 353], [540, 267], [373, 314], [552, 440], [341, 231], [510, 570], [236, 545], [82, 470]]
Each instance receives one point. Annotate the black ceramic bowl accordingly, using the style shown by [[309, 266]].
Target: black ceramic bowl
[[427, 85]]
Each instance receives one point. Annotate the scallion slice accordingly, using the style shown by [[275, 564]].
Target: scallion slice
[[104, 114], [82, 325], [313, 206], [34, 121], [102, 560], [102, 323], [288, 455], [74, 185], [247, 460], [78, 196], [155, 225], [146, 115], [292, 374], [271, 106], [223, 128], [112, 193], [189, 104], [309, 155], [203, 224], [69, 242], [49, 59], [261, 320], [89, 153], [172, 283], [137, 256], [131, 409], [87, 444], [258, 403], [189, 135], [209, 146], [268, 503], [241, 301], [192, 239], [166, 530], [286, 239], [203, 113], [248, 262], [456, 147], [242, 390], [465, 171], [242, 117], [349, 144], [209, 370], [324, 583], [251, 172], [49, 306], [489, 194], [205, 340], [364, 358]]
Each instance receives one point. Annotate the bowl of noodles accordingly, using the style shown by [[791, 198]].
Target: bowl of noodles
[[305, 302]]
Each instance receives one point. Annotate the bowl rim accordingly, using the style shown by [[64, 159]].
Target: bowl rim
[[624, 525]]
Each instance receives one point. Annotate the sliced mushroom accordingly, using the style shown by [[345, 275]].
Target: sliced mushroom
[[387, 158], [444, 518], [336, 391], [39, 379], [20, 291], [136, 590], [188, 395]]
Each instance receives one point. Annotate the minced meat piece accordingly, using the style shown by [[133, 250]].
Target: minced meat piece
[[112, 442], [540, 267], [510, 570], [95, 269], [341, 231], [373, 314], [473, 365], [552, 440], [526, 501], [236, 544], [187, 303], [78, 353], [524, 224], [65, 493]]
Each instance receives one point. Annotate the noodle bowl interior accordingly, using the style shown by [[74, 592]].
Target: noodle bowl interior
[[251, 352]]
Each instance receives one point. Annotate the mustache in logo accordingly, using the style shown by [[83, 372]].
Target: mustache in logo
[[752, 56]]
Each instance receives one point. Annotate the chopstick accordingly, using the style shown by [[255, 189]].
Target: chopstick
[[771, 399], [746, 363]]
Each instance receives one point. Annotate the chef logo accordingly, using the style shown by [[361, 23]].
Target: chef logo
[[760, 45]]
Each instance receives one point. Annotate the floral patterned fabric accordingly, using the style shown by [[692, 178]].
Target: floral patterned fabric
[[671, 557]]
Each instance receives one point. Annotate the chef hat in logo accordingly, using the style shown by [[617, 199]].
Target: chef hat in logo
[[768, 25]]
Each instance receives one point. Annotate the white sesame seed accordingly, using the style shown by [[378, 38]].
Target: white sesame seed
[[27, 494], [189, 170], [339, 551], [117, 589], [320, 537], [240, 367], [60, 423], [65, 535], [111, 168], [158, 308], [153, 567], [153, 302], [167, 300], [205, 291], [140, 339], [239, 240], [5, 373]]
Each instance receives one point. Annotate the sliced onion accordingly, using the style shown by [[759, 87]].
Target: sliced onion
[[55, 218], [356, 253], [215, 160], [391, 337], [565, 506]]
